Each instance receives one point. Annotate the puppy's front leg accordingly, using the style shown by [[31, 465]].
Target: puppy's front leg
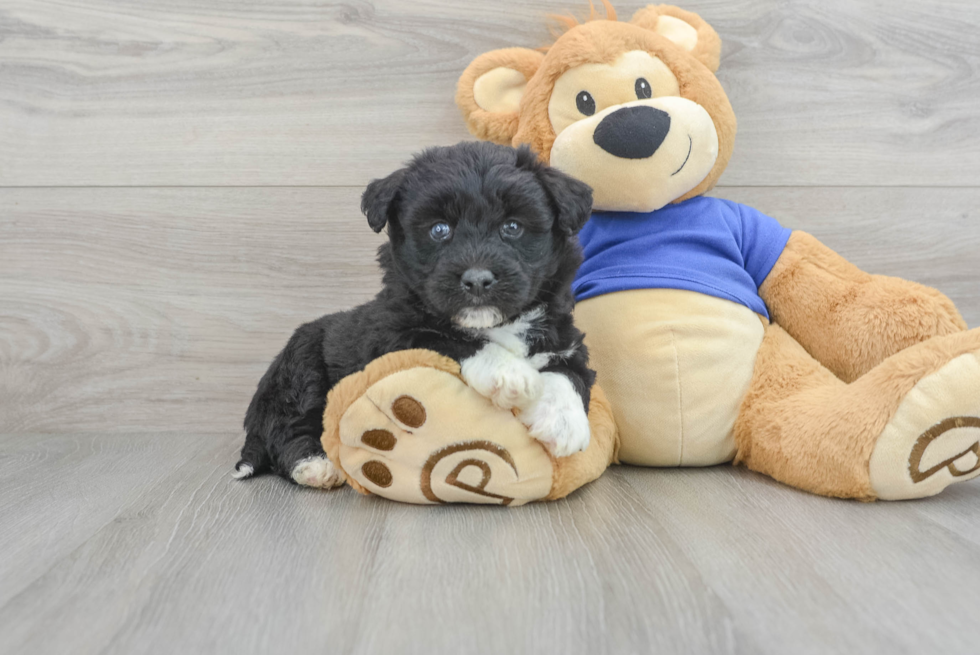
[[557, 418], [505, 378]]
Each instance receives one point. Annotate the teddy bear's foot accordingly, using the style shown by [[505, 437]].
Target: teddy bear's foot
[[933, 440], [409, 428], [423, 436]]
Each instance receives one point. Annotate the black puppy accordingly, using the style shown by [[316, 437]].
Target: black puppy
[[478, 267]]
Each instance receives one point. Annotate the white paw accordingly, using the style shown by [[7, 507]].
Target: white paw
[[503, 377], [316, 472], [243, 472], [558, 419]]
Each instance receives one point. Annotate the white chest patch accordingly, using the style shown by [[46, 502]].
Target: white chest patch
[[516, 335]]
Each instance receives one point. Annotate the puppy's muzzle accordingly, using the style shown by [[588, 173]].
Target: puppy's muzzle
[[477, 282], [633, 132]]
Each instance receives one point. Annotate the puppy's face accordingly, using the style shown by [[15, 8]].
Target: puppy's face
[[477, 230]]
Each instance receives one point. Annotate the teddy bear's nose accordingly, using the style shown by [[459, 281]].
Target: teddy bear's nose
[[632, 132]]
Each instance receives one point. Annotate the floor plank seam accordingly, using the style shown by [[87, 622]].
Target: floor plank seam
[[361, 186]]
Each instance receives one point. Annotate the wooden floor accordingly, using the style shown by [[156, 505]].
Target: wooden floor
[[179, 186]]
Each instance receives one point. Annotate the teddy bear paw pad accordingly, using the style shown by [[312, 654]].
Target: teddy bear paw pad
[[441, 442], [934, 438]]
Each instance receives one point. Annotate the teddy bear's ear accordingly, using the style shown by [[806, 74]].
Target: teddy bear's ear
[[489, 92], [686, 29]]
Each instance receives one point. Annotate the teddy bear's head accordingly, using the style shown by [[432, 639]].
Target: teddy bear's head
[[632, 109]]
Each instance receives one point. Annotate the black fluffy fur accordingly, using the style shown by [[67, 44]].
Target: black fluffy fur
[[474, 187]]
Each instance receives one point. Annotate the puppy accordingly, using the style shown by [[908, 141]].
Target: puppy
[[481, 253]]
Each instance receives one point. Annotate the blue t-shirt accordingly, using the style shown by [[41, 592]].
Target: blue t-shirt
[[712, 246]]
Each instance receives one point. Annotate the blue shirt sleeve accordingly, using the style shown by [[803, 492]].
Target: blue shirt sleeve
[[763, 241]]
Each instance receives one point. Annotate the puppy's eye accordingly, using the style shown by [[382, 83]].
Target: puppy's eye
[[585, 103], [643, 90], [511, 229], [440, 231]]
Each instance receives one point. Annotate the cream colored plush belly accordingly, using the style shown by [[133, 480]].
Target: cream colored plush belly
[[675, 365]]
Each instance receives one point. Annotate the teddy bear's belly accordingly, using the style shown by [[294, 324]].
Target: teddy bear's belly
[[675, 366]]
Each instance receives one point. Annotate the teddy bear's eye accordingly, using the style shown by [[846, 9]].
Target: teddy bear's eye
[[643, 90], [585, 103]]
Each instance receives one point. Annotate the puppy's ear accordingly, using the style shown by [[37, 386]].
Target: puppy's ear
[[378, 200], [571, 198]]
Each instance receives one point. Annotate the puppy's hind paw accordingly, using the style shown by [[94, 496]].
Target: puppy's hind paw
[[243, 471], [558, 419], [507, 380], [316, 472]]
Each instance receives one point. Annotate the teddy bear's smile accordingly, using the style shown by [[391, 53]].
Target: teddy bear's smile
[[690, 147], [639, 155]]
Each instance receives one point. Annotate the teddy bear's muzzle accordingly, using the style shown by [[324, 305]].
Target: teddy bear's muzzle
[[641, 155]]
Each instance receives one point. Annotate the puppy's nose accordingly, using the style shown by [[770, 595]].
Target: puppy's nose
[[477, 281], [632, 132]]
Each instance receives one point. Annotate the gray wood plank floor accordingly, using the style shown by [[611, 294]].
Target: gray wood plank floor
[[179, 184]]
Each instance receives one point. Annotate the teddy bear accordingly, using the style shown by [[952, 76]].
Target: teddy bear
[[717, 335]]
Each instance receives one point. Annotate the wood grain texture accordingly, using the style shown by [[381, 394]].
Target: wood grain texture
[[60, 491], [305, 92], [158, 309], [880, 577], [136, 319], [713, 560], [124, 309]]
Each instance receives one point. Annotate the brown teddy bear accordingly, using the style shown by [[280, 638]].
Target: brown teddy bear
[[717, 334]]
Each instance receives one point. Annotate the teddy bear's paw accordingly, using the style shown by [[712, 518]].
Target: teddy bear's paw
[[507, 380], [933, 440], [557, 418], [423, 436], [316, 472]]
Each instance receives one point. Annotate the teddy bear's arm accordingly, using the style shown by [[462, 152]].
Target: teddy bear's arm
[[847, 319]]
